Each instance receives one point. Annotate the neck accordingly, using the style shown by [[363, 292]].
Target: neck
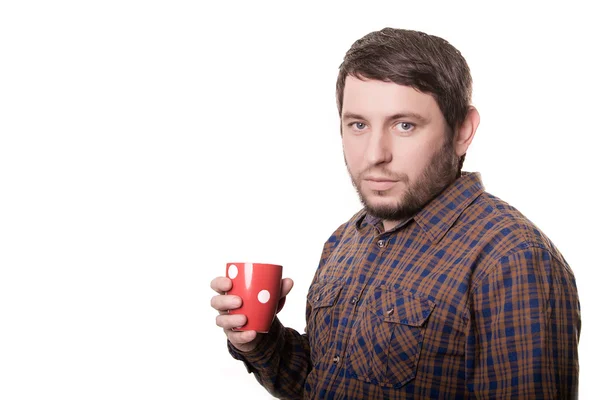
[[389, 225]]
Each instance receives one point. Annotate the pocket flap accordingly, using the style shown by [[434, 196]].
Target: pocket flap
[[401, 307], [324, 294]]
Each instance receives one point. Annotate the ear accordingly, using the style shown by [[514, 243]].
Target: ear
[[466, 132]]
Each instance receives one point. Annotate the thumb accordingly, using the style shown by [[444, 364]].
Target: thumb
[[286, 285]]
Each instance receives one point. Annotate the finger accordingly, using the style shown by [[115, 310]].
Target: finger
[[230, 321], [221, 284], [240, 338], [225, 302]]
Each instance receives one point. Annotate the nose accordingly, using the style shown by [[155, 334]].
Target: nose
[[378, 148]]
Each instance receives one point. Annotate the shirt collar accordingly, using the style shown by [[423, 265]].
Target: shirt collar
[[439, 214]]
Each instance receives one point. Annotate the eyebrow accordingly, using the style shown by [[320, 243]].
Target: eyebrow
[[410, 115]]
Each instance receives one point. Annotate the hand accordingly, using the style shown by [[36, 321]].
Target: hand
[[242, 340]]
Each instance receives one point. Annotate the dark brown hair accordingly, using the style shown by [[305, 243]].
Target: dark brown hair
[[424, 62]]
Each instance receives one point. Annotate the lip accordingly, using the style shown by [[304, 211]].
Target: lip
[[379, 183]]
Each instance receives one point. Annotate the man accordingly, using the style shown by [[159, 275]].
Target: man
[[436, 288]]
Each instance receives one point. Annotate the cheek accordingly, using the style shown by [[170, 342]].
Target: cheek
[[353, 155], [413, 159]]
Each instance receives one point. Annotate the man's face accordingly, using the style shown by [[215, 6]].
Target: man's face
[[396, 147]]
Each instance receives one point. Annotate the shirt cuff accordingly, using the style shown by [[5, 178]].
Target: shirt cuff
[[260, 355]]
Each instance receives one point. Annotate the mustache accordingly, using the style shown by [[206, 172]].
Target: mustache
[[373, 170]]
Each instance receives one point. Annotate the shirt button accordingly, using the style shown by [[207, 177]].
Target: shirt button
[[318, 297], [381, 243], [354, 300], [336, 359]]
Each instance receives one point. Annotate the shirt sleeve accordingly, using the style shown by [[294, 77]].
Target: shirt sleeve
[[524, 329], [280, 362]]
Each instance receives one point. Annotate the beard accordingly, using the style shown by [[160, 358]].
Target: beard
[[438, 175]]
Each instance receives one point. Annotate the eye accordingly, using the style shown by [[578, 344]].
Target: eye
[[359, 126], [405, 126]]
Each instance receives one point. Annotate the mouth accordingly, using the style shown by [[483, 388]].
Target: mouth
[[379, 184]]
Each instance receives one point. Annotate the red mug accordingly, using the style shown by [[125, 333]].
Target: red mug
[[259, 286]]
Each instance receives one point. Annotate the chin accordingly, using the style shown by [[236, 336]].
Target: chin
[[383, 197], [378, 202]]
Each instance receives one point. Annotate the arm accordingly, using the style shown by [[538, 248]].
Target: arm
[[281, 360], [263, 354], [524, 328]]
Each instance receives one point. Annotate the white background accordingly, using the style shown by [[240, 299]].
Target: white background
[[145, 144]]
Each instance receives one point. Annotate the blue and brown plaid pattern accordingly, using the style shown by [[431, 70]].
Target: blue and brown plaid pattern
[[466, 300]]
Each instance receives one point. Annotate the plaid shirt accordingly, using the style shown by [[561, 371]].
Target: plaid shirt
[[466, 300]]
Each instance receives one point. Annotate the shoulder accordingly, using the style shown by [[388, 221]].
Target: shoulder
[[346, 229], [501, 232], [505, 221]]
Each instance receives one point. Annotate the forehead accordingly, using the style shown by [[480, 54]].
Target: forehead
[[374, 97]]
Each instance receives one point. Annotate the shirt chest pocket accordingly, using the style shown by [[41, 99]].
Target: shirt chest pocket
[[386, 343], [322, 297]]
